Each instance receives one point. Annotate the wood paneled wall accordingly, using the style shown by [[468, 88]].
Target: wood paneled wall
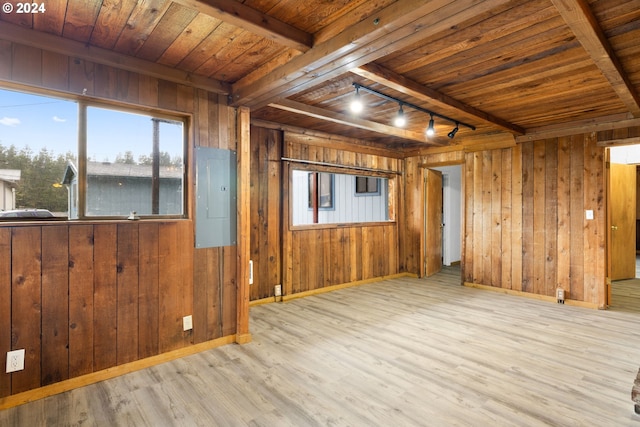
[[266, 211], [309, 259], [85, 296], [524, 218], [316, 258]]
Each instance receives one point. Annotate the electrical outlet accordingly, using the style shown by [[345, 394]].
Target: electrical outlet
[[15, 360], [278, 290], [187, 323]]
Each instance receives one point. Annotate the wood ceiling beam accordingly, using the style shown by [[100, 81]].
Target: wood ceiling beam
[[607, 123], [330, 116], [329, 140], [252, 20], [412, 88], [16, 34], [387, 31], [579, 17]]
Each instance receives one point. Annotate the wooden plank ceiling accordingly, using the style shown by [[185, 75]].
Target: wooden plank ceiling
[[513, 69]]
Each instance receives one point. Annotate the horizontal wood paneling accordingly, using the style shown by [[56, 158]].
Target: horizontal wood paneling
[[82, 297]]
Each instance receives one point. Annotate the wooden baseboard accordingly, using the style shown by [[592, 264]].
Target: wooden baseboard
[[243, 338], [116, 371], [532, 296], [328, 289]]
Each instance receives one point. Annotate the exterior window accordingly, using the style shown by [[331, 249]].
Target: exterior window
[[324, 192], [38, 138], [367, 185], [134, 162], [338, 201]]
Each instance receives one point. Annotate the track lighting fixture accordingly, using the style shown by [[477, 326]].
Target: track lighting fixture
[[356, 102], [453, 131], [400, 119], [431, 130]]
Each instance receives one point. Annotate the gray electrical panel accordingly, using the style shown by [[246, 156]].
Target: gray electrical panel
[[216, 197]]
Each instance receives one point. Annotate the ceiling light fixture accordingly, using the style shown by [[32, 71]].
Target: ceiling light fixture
[[431, 130], [453, 131], [400, 119], [356, 102]]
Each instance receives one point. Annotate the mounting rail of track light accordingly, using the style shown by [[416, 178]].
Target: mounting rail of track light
[[356, 107]]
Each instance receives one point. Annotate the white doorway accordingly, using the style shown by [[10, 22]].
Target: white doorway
[[452, 214]]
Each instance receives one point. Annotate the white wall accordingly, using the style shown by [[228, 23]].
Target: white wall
[[626, 154], [452, 214], [347, 207]]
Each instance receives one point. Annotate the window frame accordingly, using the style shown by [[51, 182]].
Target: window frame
[[392, 198], [368, 180], [82, 103]]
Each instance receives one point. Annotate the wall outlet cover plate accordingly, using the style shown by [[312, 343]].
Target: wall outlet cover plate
[[15, 360]]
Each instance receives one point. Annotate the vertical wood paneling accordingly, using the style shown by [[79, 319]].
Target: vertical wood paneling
[[487, 228], [109, 293], [229, 291], [5, 304], [577, 217], [55, 304], [527, 218], [266, 211], [26, 303], [81, 76], [105, 296], [315, 258], [55, 70], [206, 297], [551, 216], [478, 226], [564, 215], [170, 319], [186, 245], [594, 230], [468, 184], [27, 64], [148, 288], [6, 53], [496, 217], [127, 87], [107, 77], [539, 224], [516, 222], [81, 300], [505, 213], [127, 293], [545, 187]]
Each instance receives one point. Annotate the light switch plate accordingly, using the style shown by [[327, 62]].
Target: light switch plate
[[588, 214]]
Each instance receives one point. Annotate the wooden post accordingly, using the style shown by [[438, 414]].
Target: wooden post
[[155, 168], [244, 214]]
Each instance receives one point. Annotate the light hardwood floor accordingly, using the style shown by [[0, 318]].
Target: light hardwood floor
[[423, 352]]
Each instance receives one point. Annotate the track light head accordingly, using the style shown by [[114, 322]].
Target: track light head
[[356, 103], [431, 130], [453, 131], [400, 119]]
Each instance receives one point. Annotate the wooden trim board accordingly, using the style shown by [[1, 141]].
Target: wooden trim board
[[531, 295], [105, 374]]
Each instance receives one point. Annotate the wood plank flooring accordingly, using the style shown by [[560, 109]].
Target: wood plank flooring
[[403, 352]]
